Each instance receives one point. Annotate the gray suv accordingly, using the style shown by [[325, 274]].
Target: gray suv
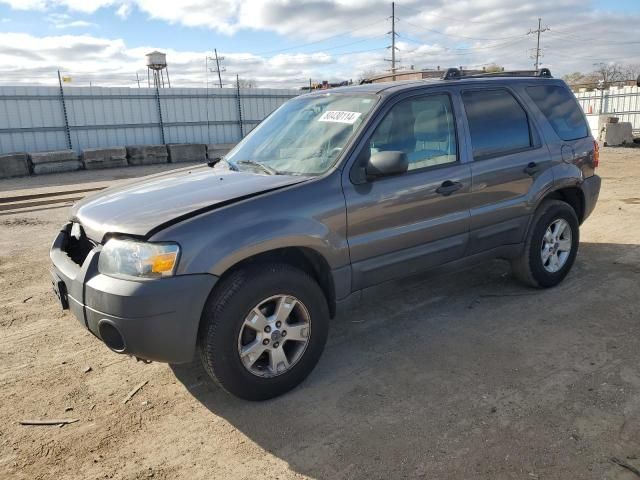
[[246, 259]]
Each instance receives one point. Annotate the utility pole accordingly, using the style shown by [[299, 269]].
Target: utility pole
[[218, 69], [393, 41], [540, 30], [138, 79]]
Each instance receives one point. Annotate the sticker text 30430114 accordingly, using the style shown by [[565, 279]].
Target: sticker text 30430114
[[339, 116]]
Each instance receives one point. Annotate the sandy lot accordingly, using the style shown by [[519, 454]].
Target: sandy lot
[[459, 375]]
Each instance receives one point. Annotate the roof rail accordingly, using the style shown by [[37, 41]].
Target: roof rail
[[456, 74]]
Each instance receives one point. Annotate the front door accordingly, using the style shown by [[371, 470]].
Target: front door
[[401, 224]]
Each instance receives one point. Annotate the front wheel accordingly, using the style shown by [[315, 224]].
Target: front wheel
[[551, 246], [263, 330]]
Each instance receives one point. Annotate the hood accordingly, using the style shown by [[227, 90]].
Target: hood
[[138, 207]]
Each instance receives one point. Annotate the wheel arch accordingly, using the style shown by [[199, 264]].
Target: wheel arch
[[572, 195], [305, 258]]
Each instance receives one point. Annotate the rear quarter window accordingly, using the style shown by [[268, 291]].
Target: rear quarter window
[[561, 108]]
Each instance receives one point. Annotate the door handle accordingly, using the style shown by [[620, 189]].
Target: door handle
[[531, 168], [448, 187]]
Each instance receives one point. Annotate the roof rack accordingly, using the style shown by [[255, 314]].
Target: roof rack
[[456, 74]]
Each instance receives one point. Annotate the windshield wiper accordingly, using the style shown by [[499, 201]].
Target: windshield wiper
[[222, 161], [262, 166]]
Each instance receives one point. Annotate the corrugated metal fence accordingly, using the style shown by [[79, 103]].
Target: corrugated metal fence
[[624, 102], [36, 119]]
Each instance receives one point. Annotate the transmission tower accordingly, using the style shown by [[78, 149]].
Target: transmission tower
[[538, 51], [218, 69], [393, 41]]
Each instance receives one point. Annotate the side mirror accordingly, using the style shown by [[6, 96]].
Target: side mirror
[[382, 164], [638, 81]]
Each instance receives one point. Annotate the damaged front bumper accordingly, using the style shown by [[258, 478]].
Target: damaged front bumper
[[153, 319]]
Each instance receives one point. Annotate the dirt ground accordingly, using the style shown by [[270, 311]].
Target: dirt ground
[[464, 374]]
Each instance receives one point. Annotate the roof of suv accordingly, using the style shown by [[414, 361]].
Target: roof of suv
[[389, 88]]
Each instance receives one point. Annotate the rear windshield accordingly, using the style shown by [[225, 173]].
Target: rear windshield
[[561, 108]]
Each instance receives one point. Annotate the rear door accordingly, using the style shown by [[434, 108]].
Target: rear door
[[509, 163], [405, 223]]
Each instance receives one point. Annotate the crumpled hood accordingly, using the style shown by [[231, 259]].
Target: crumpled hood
[[138, 207]]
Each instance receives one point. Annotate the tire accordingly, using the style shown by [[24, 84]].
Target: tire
[[226, 321], [529, 267]]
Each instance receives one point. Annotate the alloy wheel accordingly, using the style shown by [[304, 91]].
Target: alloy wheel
[[274, 335]]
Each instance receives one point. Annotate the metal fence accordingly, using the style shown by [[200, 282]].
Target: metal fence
[[36, 119], [623, 102]]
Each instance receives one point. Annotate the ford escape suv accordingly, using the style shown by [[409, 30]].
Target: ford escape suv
[[244, 260]]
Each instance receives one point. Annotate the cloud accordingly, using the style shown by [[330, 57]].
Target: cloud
[[431, 33], [64, 20], [27, 59], [123, 10], [75, 24]]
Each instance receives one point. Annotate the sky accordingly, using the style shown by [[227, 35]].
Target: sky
[[284, 43]]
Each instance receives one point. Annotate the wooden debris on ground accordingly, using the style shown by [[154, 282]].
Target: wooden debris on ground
[[624, 464], [134, 391], [53, 421]]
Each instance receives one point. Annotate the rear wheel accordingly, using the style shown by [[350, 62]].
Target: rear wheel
[[263, 330], [551, 246]]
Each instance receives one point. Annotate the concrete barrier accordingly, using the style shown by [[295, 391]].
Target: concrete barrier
[[218, 150], [18, 164], [57, 167], [615, 134], [57, 161], [147, 154], [95, 158], [14, 165], [55, 156], [187, 152]]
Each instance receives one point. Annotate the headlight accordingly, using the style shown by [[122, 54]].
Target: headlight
[[138, 259]]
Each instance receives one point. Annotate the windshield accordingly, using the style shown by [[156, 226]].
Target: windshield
[[304, 136]]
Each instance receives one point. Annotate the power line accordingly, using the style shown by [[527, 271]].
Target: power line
[[566, 37], [457, 20], [538, 32], [467, 51], [344, 45], [459, 36], [350, 32]]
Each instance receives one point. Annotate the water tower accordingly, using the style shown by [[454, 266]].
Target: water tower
[[157, 66]]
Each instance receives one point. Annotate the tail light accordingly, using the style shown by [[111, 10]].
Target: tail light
[[596, 154]]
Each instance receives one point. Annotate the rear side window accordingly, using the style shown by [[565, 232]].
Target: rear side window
[[497, 122], [561, 109]]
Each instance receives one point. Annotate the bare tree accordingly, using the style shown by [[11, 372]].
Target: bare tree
[[579, 79], [574, 78], [631, 71], [247, 83], [367, 74], [608, 73], [494, 68]]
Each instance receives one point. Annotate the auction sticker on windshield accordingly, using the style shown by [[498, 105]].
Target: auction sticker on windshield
[[339, 116]]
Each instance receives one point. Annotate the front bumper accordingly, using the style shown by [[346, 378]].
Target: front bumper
[[153, 319]]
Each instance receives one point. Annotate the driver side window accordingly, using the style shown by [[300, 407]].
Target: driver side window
[[423, 128]]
